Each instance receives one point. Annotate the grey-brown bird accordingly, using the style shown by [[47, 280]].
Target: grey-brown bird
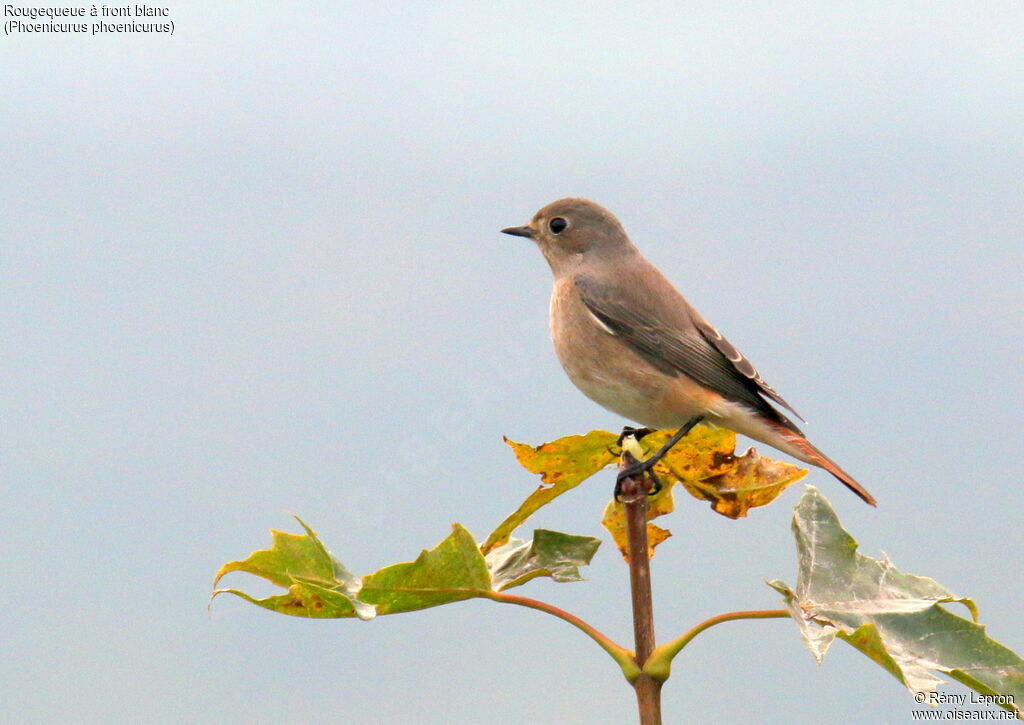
[[633, 344]]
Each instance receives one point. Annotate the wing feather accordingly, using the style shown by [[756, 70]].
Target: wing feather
[[740, 362]]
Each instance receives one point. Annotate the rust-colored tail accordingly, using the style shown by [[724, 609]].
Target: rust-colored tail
[[820, 459]]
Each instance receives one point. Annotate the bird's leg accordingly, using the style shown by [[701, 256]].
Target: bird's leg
[[647, 465]]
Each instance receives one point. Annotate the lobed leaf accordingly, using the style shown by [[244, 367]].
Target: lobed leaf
[[318, 584], [895, 618], [456, 569], [451, 571], [753, 481], [563, 464]]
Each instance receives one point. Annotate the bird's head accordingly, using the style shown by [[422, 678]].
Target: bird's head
[[571, 230]]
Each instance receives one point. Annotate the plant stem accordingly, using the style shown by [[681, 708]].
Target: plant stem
[[659, 664], [624, 658], [634, 500]]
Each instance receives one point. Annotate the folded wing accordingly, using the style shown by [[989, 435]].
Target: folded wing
[[676, 339]]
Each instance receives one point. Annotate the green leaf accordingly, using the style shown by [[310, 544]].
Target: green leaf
[[320, 587], [896, 619], [563, 464], [451, 571], [318, 584], [551, 554]]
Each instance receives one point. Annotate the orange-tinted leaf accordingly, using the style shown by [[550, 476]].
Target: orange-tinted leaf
[[655, 535], [705, 464], [748, 482], [614, 520], [705, 451]]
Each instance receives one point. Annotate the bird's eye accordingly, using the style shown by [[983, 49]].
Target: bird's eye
[[558, 225]]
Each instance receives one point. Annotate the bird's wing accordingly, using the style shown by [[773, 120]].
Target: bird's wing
[[739, 361], [676, 339]]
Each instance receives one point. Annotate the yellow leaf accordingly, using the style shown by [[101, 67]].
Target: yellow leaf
[[614, 520], [705, 451], [704, 462], [750, 481], [568, 460], [563, 464], [655, 535]]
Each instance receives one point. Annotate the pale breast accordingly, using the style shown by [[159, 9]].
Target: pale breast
[[611, 373]]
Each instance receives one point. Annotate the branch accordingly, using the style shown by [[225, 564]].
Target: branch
[[621, 655], [634, 491], [659, 664]]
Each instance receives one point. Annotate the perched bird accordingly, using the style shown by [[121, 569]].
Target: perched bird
[[633, 344]]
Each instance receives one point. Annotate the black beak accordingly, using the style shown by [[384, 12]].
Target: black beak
[[518, 231]]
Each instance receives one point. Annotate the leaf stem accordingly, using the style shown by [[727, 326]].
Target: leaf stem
[[624, 658], [659, 664]]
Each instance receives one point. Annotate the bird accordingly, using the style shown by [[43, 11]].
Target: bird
[[629, 340]]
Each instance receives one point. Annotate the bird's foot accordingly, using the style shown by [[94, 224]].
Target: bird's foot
[[646, 467], [637, 471]]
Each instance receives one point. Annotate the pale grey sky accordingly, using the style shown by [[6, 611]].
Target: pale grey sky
[[254, 268]]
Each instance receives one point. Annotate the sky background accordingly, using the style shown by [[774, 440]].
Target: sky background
[[254, 268]]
